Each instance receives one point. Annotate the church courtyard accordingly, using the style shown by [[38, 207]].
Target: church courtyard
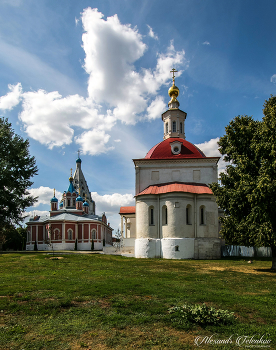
[[96, 301]]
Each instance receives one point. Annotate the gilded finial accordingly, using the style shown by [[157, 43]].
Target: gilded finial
[[54, 192], [173, 92], [173, 71], [71, 177], [79, 191], [78, 153]]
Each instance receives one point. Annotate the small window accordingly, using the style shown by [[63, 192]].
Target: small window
[[164, 215], [93, 234], [202, 215], [167, 128], [68, 202], [188, 215], [70, 234], [181, 128], [151, 216], [176, 248], [174, 126], [74, 202]]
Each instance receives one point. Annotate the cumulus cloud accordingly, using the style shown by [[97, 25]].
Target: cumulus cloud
[[210, 149], [32, 213], [49, 118], [110, 204], [273, 79], [151, 33], [206, 43], [93, 142], [44, 195], [12, 98], [156, 107], [111, 50], [116, 90]]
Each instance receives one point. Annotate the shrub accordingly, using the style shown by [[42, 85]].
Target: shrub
[[103, 242], [92, 245], [200, 314], [35, 246], [76, 244]]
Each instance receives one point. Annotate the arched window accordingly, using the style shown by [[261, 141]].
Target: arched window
[[70, 234], [180, 128], [164, 215], [151, 215], [68, 203], [174, 126], [74, 202], [93, 234], [202, 215], [167, 128], [57, 234], [188, 215]]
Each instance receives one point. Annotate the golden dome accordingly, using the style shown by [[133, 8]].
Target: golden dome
[[173, 91]]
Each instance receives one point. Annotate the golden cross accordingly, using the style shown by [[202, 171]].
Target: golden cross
[[173, 71], [78, 153], [54, 192], [71, 171]]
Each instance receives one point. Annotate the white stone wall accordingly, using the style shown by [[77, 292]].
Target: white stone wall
[[66, 246], [199, 171]]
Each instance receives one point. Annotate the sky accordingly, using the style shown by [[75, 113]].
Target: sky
[[94, 76]]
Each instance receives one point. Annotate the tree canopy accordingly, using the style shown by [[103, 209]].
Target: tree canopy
[[16, 169], [247, 189]]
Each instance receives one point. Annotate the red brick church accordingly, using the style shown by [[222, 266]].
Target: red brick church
[[71, 224]]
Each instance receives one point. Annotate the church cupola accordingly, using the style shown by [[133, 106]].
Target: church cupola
[[86, 206], [174, 118], [78, 161], [79, 202], [54, 202]]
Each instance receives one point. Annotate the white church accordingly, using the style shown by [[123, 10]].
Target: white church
[[175, 215]]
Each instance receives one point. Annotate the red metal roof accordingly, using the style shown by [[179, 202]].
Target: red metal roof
[[189, 187], [127, 210], [163, 150]]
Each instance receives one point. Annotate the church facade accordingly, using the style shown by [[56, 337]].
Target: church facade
[[176, 215], [71, 224]]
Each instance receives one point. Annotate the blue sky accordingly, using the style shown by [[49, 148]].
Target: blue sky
[[94, 75]]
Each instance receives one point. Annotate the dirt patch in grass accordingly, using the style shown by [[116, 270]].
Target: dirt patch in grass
[[135, 338], [55, 257], [244, 269]]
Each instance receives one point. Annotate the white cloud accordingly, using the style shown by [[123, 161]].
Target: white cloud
[[273, 79], [206, 43], [110, 204], [12, 98], [156, 107], [32, 213], [151, 33], [44, 194], [49, 118], [210, 149], [111, 50], [93, 142], [118, 140]]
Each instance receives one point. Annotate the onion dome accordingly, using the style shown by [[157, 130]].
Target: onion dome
[[54, 199], [173, 93], [79, 199], [61, 204], [71, 188], [78, 160], [85, 204]]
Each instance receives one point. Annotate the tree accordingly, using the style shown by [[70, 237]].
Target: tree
[[16, 169], [15, 238], [247, 192]]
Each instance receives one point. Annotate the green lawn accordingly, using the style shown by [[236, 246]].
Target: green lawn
[[100, 301]]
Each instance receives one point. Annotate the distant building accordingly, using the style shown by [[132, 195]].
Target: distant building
[[74, 220], [176, 215]]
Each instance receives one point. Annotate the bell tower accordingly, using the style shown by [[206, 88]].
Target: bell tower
[[174, 118]]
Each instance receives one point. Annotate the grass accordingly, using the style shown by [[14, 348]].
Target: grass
[[113, 302]]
